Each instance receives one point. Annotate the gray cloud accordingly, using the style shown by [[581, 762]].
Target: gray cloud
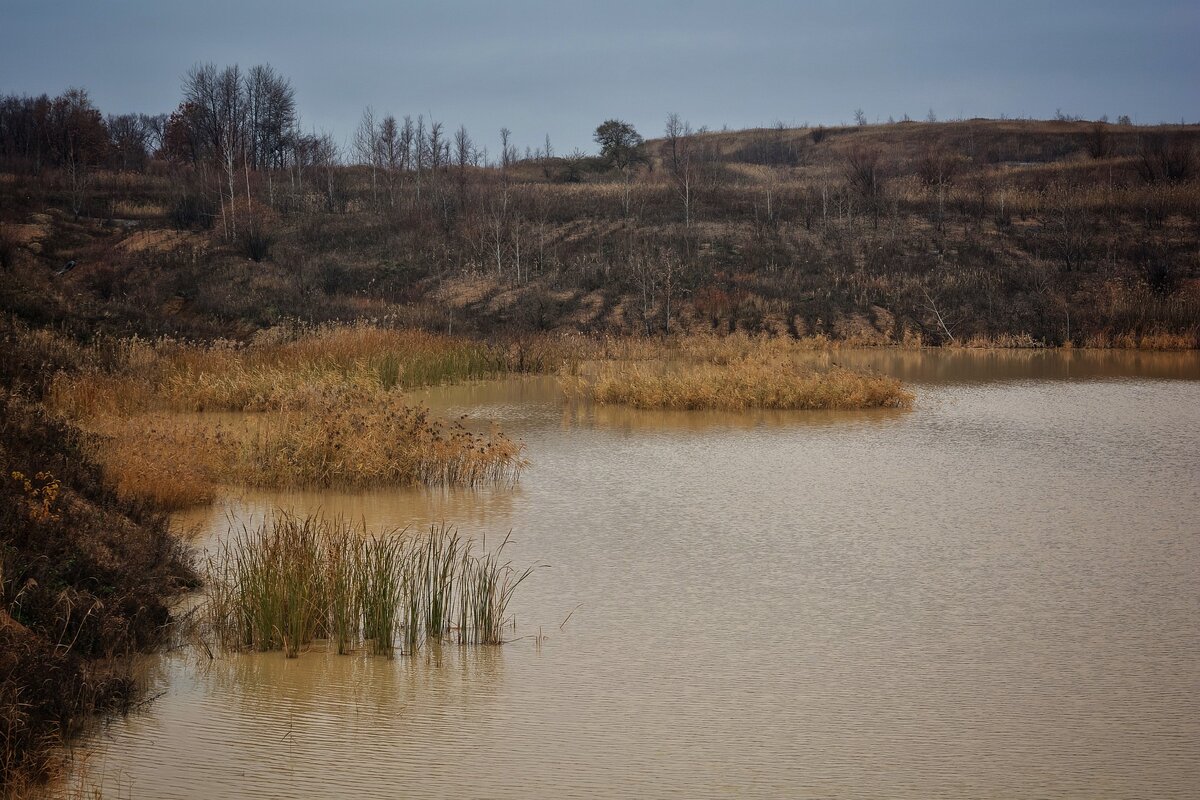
[[560, 68]]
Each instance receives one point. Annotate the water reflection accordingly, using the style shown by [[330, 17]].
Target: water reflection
[[483, 508], [587, 415], [957, 366]]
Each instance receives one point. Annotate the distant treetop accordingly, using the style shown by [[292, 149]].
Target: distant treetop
[[620, 144]]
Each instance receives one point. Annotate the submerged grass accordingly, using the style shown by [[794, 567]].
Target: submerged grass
[[296, 580]]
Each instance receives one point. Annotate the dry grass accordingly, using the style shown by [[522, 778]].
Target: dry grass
[[158, 457], [330, 409], [347, 440], [330, 412], [132, 209], [291, 369], [738, 371], [761, 382], [1188, 340], [1158, 340], [355, 440], [1004, 341]]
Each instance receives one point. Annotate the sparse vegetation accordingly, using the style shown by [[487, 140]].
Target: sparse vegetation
[[840, 232]]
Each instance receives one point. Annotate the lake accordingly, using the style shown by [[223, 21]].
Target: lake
[[996, 594]]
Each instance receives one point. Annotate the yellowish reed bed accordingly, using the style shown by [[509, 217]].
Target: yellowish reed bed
[[329, 410], [349, 440], [180, 460], [770, 383], [289, 369], [172, 462]]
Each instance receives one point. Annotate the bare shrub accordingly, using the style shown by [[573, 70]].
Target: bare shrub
[[1166, 159]]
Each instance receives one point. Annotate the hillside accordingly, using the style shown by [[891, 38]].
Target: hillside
[[993, 231]]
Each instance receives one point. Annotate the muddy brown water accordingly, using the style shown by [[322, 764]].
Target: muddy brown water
[[996, 594]]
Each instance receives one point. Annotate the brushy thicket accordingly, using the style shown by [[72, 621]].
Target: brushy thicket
[[85, 578]]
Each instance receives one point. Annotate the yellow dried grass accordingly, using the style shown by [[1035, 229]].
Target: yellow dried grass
[[749, 382]]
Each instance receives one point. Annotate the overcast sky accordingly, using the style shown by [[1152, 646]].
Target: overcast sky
[[562, 67]]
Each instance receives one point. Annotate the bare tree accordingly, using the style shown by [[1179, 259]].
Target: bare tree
[[1100, 144], [129, 139], [932, 307], [1166, 159], [407, 138], [437, 144], [155, 127], [684, 162], [236, 122], [389, 155], [271, 112], [1068, 224], [77, 124], [420, 145], [936, 169], [367, 148], [232, 130], [865, 174], [508, 151], [547, 157], [326, 155], [463, 153]]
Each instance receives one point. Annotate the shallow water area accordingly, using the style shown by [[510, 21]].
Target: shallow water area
[[995, 594]]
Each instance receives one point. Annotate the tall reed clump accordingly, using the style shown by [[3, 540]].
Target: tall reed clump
[[171, 461], [381, 588], [296, 580], [771, 383], [269, 587], [488, 584]]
